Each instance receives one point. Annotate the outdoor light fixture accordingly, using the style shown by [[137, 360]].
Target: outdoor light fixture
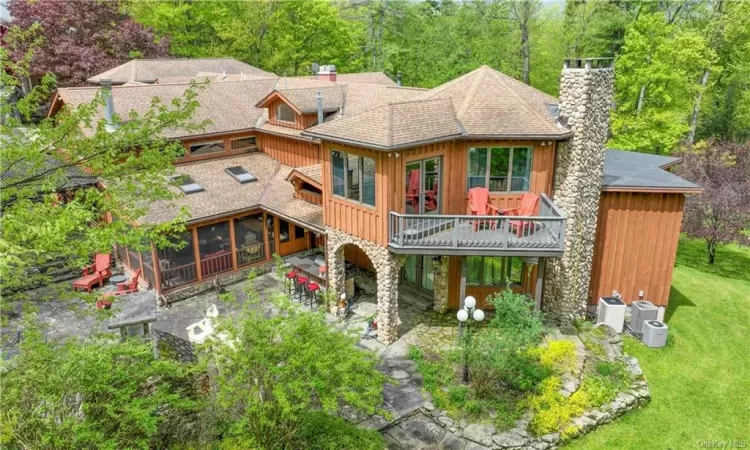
[[469, 310]]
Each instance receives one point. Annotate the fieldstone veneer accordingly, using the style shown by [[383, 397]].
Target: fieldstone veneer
[[585, 100], [386, 266]]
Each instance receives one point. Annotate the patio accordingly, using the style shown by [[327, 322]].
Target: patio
[[75, 317]]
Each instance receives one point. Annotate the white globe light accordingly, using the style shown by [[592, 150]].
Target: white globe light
[[343, 296], [470, 302], [478, 315], [462, 315]]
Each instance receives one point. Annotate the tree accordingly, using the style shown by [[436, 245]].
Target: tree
[[658, 76], [82, 39], [97, 393], [274, 377], [134, 162], [721, 214], [524, 13]]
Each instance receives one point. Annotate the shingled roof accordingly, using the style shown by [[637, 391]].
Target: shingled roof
[[228, 105], [153, 70], [486, 105], [223, 195], [395, 125], [633, 171]]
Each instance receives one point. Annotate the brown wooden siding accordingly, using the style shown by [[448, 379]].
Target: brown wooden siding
[[358, 257], [351, 217], [372, 223], [309, 196], [288, 151], [636, 244]]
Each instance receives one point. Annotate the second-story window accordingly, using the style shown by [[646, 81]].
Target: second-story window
[[500, 169], [285, 113], [353, 177]]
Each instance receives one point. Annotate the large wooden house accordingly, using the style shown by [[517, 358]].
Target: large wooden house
[[379, 175]]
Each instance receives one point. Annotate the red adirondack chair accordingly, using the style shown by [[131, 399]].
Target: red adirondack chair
[[529, 203], [95, 274], [479, 205], [412, 190], [126, 287]]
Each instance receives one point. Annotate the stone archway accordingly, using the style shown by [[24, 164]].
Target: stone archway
[[386, 267]]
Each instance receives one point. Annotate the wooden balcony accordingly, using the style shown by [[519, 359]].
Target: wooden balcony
[[428, 234]]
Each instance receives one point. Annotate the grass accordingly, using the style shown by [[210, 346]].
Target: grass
[[700, 382]]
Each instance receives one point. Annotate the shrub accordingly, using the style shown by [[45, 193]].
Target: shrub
[[558, 356], [324, 432], [552, 411], [499, 358], [279, 369]]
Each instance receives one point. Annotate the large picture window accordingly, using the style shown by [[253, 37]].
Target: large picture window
[[284, 113], [493, 270], [353, 177], [500, 169]]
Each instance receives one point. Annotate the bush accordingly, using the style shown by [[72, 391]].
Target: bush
[[552, 411], [558, 356], [324, 432], [499, 356]]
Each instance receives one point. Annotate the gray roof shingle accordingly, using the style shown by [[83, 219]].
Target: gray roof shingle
[[151, 70], [223, 195], [632, 170]]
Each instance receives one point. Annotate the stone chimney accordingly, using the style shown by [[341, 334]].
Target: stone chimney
[[327, 73], [586, 87], [109, 105]]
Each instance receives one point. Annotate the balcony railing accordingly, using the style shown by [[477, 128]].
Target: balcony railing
[[427, 234], [177, 276]]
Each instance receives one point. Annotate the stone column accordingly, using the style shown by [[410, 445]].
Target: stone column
[[585, 102], [440, 284], [386, 267]]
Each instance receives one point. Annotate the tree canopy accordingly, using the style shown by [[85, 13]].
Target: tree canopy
[[79, 39]]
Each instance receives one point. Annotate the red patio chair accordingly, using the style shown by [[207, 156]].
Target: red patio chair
[[529, 203], [127, 287], [479, 205], [95, 274], [412, 191]]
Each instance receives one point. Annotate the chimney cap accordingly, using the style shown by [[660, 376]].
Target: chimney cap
[[589, 63]]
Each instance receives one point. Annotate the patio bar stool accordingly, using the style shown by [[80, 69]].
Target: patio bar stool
[[290, 279], [300, 287], [312, 288]]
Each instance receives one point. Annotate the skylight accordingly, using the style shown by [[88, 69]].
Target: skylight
[[240, 174], [186, 184]]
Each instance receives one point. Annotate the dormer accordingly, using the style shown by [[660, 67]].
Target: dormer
[[308, 184], [298, 108]]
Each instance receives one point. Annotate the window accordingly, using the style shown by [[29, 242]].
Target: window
[[285, 113], [243, 143], [353, 177], [240, 174], [186, 184], [500, 169], [284, 231], [206, 148], [493, 270], [248, 239]]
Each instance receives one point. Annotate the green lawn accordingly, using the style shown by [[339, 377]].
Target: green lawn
[[700, 383]]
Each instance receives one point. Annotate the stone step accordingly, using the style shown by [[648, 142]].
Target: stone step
[[415, 300]]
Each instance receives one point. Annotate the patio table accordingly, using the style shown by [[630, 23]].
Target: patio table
[[308, 267]]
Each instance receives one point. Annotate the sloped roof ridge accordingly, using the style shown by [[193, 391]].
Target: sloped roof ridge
[[519, 97], [471, 94], [437, 89]]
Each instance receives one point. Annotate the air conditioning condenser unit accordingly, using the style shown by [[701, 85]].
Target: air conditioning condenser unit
[[655, 333], [611, 312], [640, 312]]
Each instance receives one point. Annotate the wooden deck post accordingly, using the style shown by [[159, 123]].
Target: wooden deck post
[[232, 244], [197, 255], [266, 243], [157, 268], [539, 284]]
